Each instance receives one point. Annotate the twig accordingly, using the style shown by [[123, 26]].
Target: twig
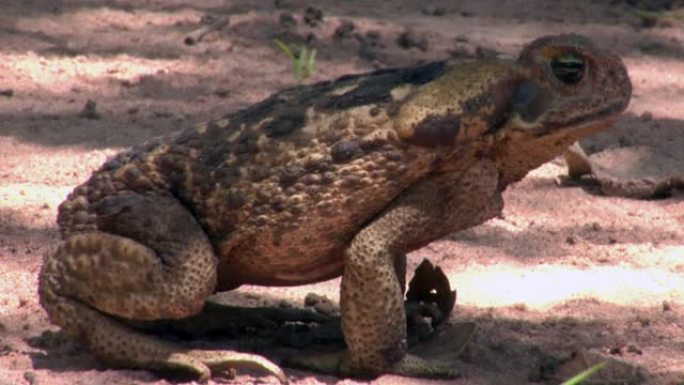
[[198, 35]]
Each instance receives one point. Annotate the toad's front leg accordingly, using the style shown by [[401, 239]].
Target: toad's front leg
[[373, 315]]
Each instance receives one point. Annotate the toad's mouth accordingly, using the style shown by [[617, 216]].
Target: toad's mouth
[[606, 115]]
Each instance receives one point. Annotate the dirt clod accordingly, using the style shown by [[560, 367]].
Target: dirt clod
[[413, 39], [313, 16], [90, 111]]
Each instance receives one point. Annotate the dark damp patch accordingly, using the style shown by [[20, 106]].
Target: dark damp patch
[[375, 88], [345, 150], [436, 130]]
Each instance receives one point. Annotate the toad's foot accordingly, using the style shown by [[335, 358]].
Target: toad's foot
[[339, 364], [458, 334]]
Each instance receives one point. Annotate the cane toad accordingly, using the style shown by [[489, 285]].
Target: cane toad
[[342, 177]]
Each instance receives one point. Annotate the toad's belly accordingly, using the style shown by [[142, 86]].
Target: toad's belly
[[310, 249], [288, 272]]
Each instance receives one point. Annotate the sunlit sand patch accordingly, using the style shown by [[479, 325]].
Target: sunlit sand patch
[[17, 195], [63, 73], [542, 287]]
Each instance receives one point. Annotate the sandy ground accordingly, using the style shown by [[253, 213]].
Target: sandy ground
[[564, 270]]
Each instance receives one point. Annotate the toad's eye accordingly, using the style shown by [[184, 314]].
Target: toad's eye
[[568, 68]]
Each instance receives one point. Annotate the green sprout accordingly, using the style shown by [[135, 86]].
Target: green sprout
[[303, 59], [581, 377], [673, 15]]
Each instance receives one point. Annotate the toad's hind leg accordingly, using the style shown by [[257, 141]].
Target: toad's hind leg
[[96, 278]]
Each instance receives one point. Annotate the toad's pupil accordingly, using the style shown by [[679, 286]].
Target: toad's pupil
[[568, 68]]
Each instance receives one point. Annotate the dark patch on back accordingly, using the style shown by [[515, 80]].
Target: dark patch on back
[[345, 150], [286, 122], [288, 175], [437, 130], [375, 88], [171, 166], [473, 105], [499, 98], [248, 138], [287, 108]]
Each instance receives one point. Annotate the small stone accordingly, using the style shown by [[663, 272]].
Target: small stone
[[222, 93], [287, 21], [30, 377], [648, 21], [373, 35], [8, 92], [410, 39], [667, 306], [485, 53], [313, 16], [344, 30], [647, 116], [431, 10], [631, 348], [570, 240], [321, 304], [90, 111]]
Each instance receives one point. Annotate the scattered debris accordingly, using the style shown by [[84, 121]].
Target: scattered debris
[[287, 20], [200, 34], [313, 16], [431, 10], [344, 31], [370, 44], [431, 285], [322, 304]]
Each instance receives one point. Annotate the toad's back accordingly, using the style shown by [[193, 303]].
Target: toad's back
[[280, 188]]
